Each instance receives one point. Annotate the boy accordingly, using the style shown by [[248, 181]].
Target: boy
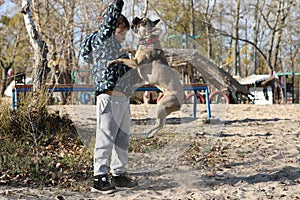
[[113, 115]]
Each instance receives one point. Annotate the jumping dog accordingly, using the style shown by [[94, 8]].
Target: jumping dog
[[152, 67]]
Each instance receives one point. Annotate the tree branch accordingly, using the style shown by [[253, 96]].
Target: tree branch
[[248, 42]]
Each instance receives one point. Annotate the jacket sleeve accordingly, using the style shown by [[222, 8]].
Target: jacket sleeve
[[108, 26], [86, 48], [110, 19]]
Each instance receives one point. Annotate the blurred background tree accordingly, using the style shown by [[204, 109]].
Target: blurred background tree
[[244, 37], [15, 49]]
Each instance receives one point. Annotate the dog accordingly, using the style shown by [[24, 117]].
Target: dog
[[153, 68]]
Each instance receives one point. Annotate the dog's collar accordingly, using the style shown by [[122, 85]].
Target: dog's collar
[[148, 41]]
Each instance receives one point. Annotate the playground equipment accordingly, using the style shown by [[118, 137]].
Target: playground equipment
[[227, 87]]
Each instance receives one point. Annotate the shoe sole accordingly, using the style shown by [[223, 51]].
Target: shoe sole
[[117, 186], [103, 192]]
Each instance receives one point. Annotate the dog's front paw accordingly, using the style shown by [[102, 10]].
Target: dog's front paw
[[113, 62]]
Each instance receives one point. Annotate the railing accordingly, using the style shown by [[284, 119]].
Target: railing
[[90, 88]]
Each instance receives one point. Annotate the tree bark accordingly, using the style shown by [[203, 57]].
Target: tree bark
[[40, 69], [4, 78], [255, 35], [145, 8], [236, 42]]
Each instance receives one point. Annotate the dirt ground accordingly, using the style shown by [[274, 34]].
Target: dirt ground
[[262, 160]]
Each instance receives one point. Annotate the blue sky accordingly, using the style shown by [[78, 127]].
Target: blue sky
[[8, 8]]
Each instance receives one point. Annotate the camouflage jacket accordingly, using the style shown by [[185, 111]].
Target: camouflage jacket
[[100, 47]]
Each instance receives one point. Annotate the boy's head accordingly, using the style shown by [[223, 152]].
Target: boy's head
[[123, 27]]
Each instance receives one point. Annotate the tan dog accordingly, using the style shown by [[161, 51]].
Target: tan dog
[[152, 66]]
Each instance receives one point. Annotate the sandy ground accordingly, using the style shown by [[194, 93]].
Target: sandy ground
[[262, 160]]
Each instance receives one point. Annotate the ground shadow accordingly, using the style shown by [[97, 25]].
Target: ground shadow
[[223, 135], [250, 120], [173, 120], [288, 173]]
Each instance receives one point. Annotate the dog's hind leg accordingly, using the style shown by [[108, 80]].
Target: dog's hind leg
[[161, 115], [169, 103]]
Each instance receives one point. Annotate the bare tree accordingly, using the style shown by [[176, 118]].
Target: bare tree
[[236, 57], [146, 8], [39, 46], [255, 28], [208, 13], [222, 25]]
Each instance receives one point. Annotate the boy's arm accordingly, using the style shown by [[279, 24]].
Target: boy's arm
[[86, 48], [108, 26], [110, 19]]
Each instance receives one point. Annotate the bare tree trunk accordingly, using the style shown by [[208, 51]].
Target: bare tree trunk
[[192, 22], [255, 39], [132, 14], [207, 30], [192, 33], [276, 32], [270, 50], [7, 65], [236, 42], [293, 54], [208, 27], [145, 8], [283, 12], [68, 52], [4, 78], [40, 68]]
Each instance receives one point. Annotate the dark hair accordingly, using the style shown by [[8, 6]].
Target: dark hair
[[123, 20]]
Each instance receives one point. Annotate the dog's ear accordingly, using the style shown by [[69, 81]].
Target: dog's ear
[[156, 21], [136, 20], [134, 23]]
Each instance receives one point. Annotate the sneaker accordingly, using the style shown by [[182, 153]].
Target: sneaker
[[123, 181], [102, 185]]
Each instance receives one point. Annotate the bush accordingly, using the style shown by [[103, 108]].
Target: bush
[[40, 148]]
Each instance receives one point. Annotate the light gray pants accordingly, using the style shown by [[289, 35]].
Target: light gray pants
[[112, 134]]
